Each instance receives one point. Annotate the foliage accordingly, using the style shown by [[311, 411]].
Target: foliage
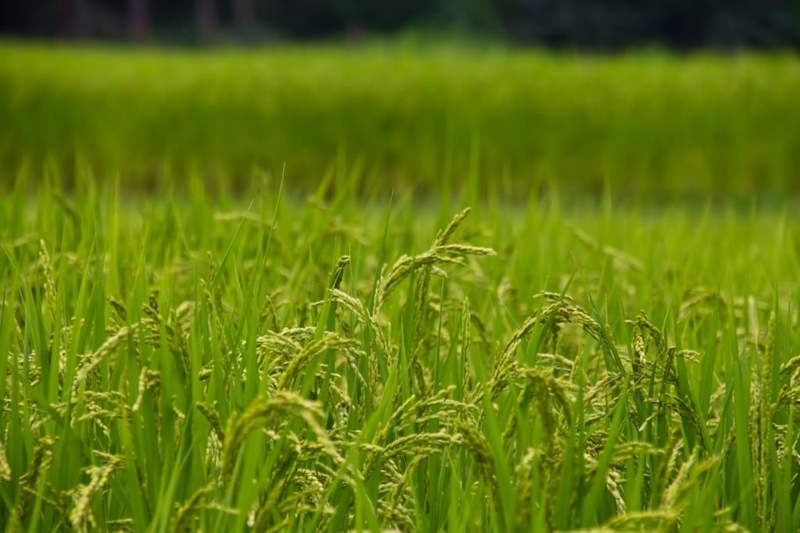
[[583, 24], [190, 363]]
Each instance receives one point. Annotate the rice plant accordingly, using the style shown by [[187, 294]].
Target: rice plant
[[194, 364], [651, 125]]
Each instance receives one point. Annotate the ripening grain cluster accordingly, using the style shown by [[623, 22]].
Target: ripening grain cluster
[[196, 363]]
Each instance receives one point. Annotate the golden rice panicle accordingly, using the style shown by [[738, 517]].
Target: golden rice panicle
[[376, 447], [791, 367], [522, 475], [329, 341], [40, 463], [365, 318], [184, 517], [651, 520], [643, 331], [692, 473], [444, 235], [505, 364], [400, 499], [91, 361], [264, 412], [81, 517], [5, 468], [212, 416], [338, 273], [49, 281], [148, 379], [760, 431], [440, 253], [42, 454], [475, 443], [458, 250], [466, 341]]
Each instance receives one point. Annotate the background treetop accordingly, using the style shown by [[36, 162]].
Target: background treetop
[[573, 24]]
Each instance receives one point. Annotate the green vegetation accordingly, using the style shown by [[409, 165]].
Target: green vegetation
[[191, 363], [346, 347], [653, 126]]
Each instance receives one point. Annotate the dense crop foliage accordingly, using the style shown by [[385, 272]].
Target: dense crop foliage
[[650, 125], [190, 363], [333, 350]]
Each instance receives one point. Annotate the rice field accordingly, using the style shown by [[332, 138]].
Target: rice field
[[652, 126], [203, 364], [271, 352]]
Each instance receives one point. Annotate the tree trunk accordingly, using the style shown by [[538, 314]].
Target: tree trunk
[[206, 20], [244, 13], [140, 23], [80, 19]]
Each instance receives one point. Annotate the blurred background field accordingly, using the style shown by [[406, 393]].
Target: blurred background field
[[700, 100], [649, 124]]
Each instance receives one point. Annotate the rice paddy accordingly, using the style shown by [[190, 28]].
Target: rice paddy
[[651, 125], [335, 358]]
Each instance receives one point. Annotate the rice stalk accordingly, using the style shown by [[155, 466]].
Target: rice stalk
[[184, 517], [81, 517], [263, 412]]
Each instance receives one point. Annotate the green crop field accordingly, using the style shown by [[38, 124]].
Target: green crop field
[[375, 338], [654, 126]]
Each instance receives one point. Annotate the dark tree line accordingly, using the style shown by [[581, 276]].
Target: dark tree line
[[581, 24]]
